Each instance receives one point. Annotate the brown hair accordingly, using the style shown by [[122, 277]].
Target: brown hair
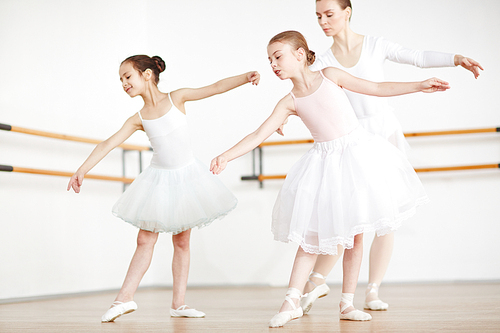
[[297, 41], [343, 4], [142, 62]]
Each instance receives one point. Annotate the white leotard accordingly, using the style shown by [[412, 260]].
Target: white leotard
[[169, 137]]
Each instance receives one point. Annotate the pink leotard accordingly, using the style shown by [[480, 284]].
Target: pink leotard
[[327, 112]]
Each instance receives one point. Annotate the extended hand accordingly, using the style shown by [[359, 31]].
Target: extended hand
[[218, 164], [433, 85], [280, 129], [253, 77], [76, 182], [469, 64]]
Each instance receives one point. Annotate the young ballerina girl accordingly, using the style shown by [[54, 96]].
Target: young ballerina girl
[[350, 182], [363, 57], [176, 192]]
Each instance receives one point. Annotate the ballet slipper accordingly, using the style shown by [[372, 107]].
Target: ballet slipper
[[375, 305], [181, 311], [356, 315], [118, 309], [281, 318], [307, 300]]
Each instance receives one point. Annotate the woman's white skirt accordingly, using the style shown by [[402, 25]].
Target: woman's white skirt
[[386, 125], [344, 187], [174, 200]]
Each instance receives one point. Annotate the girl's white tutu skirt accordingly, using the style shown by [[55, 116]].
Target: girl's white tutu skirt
[[174, 200], [344, 187], [386, 125]]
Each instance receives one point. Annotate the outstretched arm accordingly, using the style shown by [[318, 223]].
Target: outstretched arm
[[426, 59], [284, 109], [102, 149], [192, 94], [469, 64], [383, 89]]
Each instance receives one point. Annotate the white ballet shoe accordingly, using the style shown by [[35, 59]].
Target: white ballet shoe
[[281, 318], [307, 300], [375, 305], [353, 315], [118, 309], [181, 311]]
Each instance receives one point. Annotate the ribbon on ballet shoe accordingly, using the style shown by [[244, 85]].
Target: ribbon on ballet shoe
[[356, 315], [281, 318]]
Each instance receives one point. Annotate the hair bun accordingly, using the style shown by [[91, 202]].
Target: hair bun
[[311, 57], [159, 63]]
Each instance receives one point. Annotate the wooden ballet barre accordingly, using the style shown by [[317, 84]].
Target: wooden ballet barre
[[261, 178], [287, 142], [66, 137], [9, 168], [435, 133], [455, 132]]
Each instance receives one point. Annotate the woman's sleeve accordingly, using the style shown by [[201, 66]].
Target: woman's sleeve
[[423, 59]]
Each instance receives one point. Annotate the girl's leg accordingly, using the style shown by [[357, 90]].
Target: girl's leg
[[351, 267], [180, 267], [302, 265], [141, 260], [316, 284], [180, 272], [290, 309], [380, 256], [324, 265]]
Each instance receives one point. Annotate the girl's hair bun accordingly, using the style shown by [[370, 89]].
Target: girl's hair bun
[[159, 63], [311, 57]]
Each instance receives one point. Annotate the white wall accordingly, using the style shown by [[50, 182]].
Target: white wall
[[59, 63]]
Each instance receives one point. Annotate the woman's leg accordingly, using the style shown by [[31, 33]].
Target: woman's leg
[[180, 267], [141, 260], [380, 256]]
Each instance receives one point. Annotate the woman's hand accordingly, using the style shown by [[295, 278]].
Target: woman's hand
[[218, 164], [76, 181], [253, 77], [469, 64], [433, 85]]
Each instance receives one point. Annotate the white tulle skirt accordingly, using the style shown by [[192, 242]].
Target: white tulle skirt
[[386, 125], [166, 200], [344, 187]]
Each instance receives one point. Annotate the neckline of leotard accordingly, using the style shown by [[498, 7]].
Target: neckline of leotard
[[359, 59], [315, 91], [169, 111]]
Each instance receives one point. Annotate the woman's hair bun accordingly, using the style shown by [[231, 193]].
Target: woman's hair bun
[[159, 63]]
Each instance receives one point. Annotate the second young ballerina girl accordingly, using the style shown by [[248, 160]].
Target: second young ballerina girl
[[350, 182], [176, 192]]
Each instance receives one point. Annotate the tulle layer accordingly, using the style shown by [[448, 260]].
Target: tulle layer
[[165, 200], [386, 125], [341, 188]]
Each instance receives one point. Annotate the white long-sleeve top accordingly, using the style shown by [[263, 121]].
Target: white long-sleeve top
[[374, 52]]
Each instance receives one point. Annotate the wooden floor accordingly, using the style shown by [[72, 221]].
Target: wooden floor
[[452, 307]]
